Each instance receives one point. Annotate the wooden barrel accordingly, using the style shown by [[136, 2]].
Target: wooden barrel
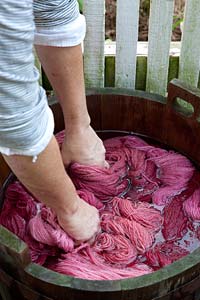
[[130, 111]]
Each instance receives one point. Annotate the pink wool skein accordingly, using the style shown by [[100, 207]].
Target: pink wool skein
[[174, 172], [85, 268], [14, 223], [103, 183], [192, 206], [142, 213], [164, 254], [175, 221], [115, 249], [90, 198], [146, 201], [44, 229]]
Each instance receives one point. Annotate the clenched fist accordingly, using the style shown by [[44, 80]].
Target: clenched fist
[[84, 147], [83, 224]]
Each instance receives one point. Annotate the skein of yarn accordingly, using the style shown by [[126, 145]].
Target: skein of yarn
[[146, 201]]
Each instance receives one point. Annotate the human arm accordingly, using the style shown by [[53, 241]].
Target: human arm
[[48, 181], [26, 125], [64, 68]]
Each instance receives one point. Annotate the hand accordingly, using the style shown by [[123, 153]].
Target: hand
[[83, 224], [84, 147]]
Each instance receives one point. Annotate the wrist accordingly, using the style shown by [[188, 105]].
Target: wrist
[[77, 125], [68, 209]]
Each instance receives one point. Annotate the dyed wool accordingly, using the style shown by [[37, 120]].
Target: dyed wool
[[141, 238], [79, 265], [142, 213], [44, 229], [174, 171], [192, 206], [164, 254], [128, 245], [157, 175], [115, 249], [104, 183], [175, 221]]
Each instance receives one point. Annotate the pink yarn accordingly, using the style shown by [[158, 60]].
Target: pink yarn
[[192, 206], [44, 229], [115, 249], [124, 141], [142, 171], [14, 223], [25, 205], [174, 171], [90, 199], [164, 254], [163, 195], [40, 252], [104, 183], [84, 267], [142, 239], [142, 213], [19, 207], [130, 226], [117, 162], [175, 221]]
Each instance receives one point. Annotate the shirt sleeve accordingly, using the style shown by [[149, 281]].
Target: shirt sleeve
[[26, 121], [58, 23]]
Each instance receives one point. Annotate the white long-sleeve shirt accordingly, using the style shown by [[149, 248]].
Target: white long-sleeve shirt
[[26, 121]]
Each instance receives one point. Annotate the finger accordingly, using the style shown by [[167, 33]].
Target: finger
[[106, 165], [92, 239]]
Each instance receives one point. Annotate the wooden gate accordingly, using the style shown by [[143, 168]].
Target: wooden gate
[[123, 65]]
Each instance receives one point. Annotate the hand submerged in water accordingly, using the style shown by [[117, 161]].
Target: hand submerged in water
[[83, 224], [84, 147]]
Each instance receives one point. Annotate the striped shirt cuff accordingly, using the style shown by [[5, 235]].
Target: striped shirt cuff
[[67, 35], [38, 145]]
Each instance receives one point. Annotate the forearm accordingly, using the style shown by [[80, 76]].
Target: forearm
[[26, 122], [64, 68], [46, 179]]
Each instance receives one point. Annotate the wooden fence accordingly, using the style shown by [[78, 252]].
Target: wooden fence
[[128, 63]]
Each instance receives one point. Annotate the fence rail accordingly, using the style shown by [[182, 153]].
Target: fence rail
[[159, 64], [128, 63]]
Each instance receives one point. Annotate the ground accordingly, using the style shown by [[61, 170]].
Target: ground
[[143, 22]]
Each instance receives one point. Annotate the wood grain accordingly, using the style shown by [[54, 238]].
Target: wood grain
[[160, 30]]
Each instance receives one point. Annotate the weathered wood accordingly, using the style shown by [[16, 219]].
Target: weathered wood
[[94, 11], [4, 170], [4, 292], [13, 248], [126, 37], [173, 68], [141, 65], [142, 48], [109, 71], [190, 50], [130, 111], [141, 69], [141, 73], [160, 29]]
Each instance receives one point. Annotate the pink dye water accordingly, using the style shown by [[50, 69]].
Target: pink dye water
[[149, 204]]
